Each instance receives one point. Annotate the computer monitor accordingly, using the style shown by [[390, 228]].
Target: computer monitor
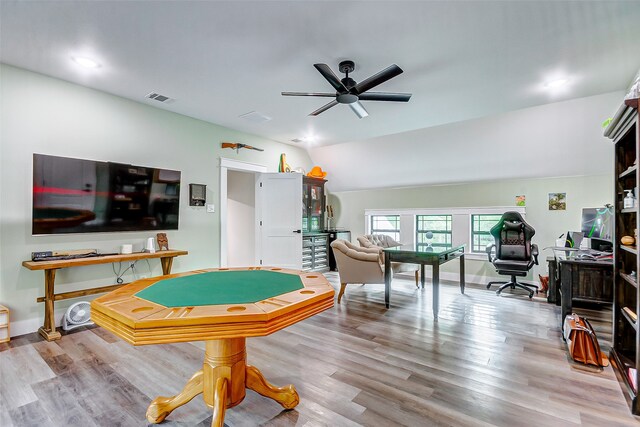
[[597, 225]]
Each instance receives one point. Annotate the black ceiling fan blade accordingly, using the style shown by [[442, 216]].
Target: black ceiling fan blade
[[324, 108], [331, 77], [359, 109], [385, 96], [379, 78], [323, 94]]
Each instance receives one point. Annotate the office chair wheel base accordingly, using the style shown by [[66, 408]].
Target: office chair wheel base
[[531, 295]]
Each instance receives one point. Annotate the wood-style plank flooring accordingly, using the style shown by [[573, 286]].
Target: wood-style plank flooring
[[488, 361]]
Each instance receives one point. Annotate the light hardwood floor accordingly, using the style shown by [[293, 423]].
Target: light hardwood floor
[[488, 361]]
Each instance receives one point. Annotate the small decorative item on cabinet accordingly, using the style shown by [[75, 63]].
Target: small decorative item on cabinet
[[627, 240], [4, 324]]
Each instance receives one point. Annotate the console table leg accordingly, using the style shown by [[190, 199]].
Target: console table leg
[[166, 265], [48, 330], [462, 283]]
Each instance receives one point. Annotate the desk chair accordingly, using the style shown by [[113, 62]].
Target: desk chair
[[514, 253]]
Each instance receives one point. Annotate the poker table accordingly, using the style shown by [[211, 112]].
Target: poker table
[[221, 307]]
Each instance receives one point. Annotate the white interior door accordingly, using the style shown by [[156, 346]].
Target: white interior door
[[279, 220]]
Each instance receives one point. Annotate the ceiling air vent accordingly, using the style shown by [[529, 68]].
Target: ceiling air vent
[[255, 117], [297, 140], [160, 98]]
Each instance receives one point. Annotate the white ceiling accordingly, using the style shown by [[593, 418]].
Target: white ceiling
[[219, 60]]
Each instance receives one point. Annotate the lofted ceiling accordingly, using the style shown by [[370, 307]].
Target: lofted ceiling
[[463, 61], [219, 60]]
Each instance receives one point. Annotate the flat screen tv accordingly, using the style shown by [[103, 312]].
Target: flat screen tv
[[597, 223], [86, 196]]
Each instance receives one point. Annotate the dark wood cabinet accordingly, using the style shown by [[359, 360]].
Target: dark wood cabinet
[[624, 131], [313, 204], [315, 241]]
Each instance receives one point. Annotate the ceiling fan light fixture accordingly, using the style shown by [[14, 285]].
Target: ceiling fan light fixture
[[347, 98]]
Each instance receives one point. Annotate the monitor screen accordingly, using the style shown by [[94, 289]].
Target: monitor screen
[[84, 196], [598, 223]]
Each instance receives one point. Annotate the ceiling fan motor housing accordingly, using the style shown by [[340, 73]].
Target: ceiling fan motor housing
[[346, 67]]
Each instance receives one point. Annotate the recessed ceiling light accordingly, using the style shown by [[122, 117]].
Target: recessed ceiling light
[[310, 139], [85, 62], [552, 84]]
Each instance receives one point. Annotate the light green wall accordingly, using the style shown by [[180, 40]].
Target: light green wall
[[584, 191], [44, 115]]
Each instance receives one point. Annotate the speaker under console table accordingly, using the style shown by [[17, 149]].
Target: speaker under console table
[[48, 330]]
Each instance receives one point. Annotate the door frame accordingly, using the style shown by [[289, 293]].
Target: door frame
[[227, 164]]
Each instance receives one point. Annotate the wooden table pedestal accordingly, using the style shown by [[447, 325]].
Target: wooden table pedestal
[[223, 381]]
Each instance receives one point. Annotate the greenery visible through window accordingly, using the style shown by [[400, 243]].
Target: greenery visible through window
[[480, 226], [386, 224], [433, 231]]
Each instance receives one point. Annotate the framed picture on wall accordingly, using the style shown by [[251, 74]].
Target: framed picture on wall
[[557, 201]]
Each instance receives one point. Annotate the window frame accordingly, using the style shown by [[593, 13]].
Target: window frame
[[474, 233], [393, 233], [448, 231], [461, 223]]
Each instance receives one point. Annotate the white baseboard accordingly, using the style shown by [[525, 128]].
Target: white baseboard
[[468, 278], [27, 326]]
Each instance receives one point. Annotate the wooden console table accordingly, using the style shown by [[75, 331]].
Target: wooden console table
[[48, 330]]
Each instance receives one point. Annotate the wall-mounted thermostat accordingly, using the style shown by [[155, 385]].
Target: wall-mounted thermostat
[[197, 194]]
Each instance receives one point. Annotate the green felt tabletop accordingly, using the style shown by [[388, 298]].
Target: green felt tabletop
[[220, 287]]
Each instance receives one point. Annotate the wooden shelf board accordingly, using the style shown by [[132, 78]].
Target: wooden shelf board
[[632, 249], [620, 366], [629, 171], [4, 325], [629, 279], [629, 210], [592, 300], [629, 319]]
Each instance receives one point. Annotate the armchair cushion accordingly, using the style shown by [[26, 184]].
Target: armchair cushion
[[380, 240]]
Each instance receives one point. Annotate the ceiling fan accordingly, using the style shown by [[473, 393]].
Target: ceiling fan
[[351, 93]]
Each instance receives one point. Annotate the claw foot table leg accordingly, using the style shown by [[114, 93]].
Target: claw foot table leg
[[163, 406], [287, 396]]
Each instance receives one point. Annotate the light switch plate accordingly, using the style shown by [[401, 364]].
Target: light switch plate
[[211, 208]]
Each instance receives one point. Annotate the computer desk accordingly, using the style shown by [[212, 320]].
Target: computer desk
[[573, 279]]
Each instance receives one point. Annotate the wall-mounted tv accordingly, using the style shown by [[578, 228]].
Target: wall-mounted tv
[[86, 196]]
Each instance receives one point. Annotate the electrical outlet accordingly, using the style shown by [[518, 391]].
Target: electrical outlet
[[211, 208]]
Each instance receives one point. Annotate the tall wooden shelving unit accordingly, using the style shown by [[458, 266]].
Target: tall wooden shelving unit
[[624, 130]]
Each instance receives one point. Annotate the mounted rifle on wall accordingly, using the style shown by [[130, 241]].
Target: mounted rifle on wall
[[237, 146]]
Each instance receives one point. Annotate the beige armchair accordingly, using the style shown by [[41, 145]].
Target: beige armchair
[[357, 264], [384, 241]]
